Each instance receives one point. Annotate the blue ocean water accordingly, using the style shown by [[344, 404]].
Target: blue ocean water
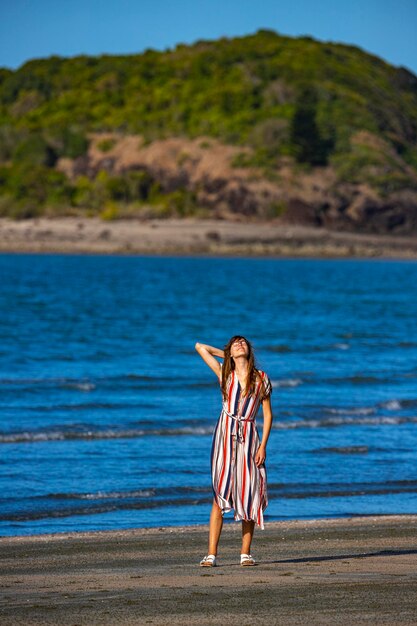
[[107, 411]]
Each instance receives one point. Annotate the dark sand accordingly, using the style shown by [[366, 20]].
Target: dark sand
[[190, 236], [360, 570]]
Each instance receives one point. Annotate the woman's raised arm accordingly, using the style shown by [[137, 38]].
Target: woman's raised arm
[[208, 353]]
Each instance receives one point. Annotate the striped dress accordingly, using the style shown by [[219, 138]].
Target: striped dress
[[236, 480]]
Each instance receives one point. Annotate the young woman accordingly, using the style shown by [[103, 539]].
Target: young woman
[[237, 455]]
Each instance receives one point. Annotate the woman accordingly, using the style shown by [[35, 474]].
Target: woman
[[237, 455]]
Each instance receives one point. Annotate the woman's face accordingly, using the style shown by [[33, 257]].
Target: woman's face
[[239, 348]]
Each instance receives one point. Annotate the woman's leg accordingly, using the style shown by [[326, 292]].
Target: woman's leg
[[247, 535], [216, 524]]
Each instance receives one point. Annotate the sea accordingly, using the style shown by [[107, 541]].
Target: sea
[[107, 410]]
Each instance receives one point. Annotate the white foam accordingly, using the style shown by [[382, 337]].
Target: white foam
[[345, 421], [361, 410], [391, 405], [287, 382]]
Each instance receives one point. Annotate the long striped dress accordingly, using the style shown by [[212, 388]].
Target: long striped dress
[[236, 480]]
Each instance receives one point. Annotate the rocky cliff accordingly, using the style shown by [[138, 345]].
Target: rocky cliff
[[205, 167]]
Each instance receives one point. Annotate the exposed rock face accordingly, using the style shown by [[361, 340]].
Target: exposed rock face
[[205, 167], [360, 209]]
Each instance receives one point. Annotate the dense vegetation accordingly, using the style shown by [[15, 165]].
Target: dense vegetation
[[293, 97]]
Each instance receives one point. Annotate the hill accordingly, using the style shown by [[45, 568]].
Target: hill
[[262, 126]]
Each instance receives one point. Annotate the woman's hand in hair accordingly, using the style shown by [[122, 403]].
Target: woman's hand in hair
[[208, 353], [210, 349]]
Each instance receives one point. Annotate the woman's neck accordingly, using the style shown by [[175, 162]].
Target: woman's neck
[[241, 366]]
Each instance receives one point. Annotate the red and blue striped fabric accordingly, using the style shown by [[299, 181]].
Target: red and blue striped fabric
[[237, 482]]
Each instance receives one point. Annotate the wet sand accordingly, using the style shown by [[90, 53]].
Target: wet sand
[[360, 570], [190, 236]]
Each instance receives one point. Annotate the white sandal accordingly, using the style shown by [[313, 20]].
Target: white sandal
[[247, 560], [209, 561]]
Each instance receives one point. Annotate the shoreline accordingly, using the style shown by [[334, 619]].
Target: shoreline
[[195, 237], [354, 570], [228, 521]]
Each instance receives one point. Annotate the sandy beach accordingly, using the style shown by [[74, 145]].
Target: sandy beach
[[191, 236], [359, 570]]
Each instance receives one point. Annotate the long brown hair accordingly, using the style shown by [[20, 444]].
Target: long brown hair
[[229, 366]]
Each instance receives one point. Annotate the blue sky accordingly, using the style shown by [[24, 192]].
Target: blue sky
[[39, 28]]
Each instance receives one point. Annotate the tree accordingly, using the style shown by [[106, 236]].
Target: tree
[[309, 146]]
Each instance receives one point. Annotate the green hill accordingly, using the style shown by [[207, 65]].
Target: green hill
[[317, 109]]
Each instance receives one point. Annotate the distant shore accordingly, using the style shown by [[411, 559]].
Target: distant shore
[[358, 570], [190, 236]]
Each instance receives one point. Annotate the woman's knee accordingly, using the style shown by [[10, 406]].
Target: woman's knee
[[216, 509]]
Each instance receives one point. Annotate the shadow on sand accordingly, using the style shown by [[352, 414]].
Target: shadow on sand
[[338, 557]]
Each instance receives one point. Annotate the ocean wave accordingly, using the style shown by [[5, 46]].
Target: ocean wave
[[343, 450], [337, 490], [345, 421], [111, 505], [279, 348], [391, 405], [79, 383], [40, 436], [79, 386], [27, 381], [287, 382], [357, 379], [107, 502], [341, 345], [407, 403], [127, 495], [52, 381], [93, 509], [102, 495], [307, 348], [129, 433], [81, 406], [361, 410]]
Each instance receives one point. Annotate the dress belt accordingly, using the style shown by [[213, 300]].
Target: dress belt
[[240, 434]]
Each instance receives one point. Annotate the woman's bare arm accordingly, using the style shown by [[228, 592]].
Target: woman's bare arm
[[208, 353], [267, 411]]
